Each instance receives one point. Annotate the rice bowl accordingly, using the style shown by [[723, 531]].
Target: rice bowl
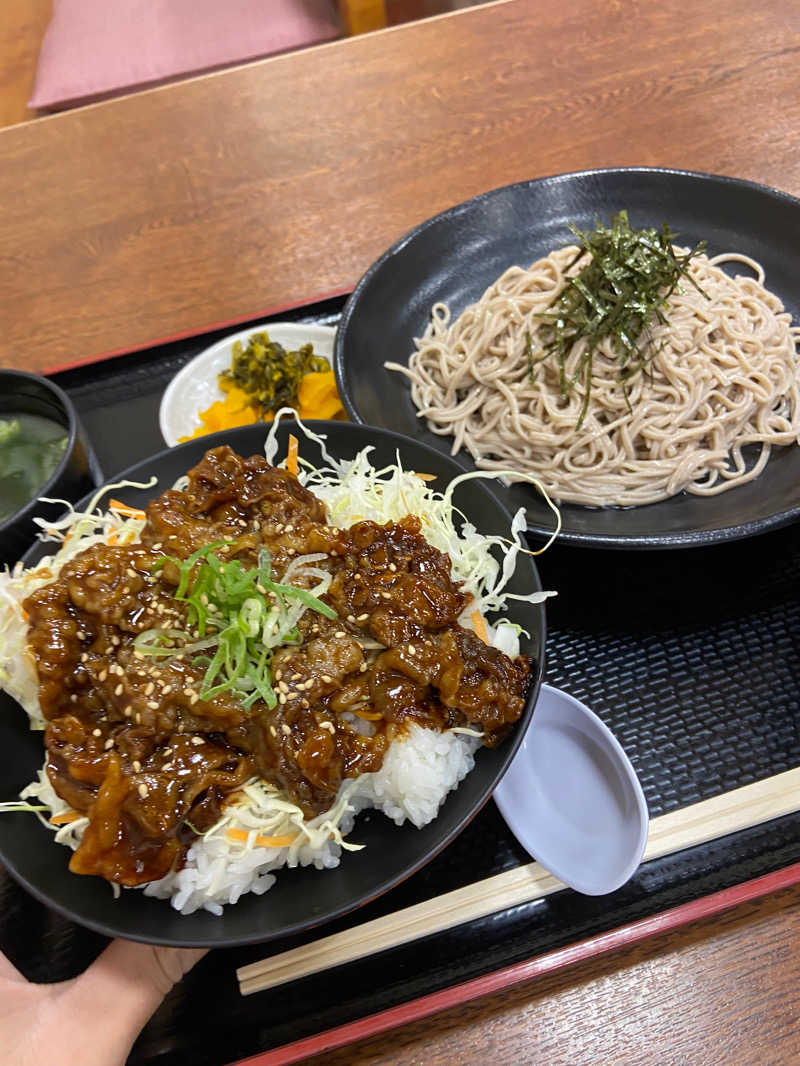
[[217, 873]]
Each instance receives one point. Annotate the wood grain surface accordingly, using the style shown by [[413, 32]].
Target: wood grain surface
[[220, 198], [22, 26], [724, 990]]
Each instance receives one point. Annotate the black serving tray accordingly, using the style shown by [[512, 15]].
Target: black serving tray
[[691, 657]]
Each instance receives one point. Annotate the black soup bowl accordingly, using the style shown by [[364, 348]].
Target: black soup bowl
[[30, 394], [301, 898]]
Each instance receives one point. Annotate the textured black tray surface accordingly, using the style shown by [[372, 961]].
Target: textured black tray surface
[[692, 658]]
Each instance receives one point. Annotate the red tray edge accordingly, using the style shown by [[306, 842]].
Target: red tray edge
[[224, 324], [466, 991]]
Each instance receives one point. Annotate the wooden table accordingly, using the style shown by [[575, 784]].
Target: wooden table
[[273, 185]]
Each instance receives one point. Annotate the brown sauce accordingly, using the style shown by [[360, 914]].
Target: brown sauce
[[132, 744]]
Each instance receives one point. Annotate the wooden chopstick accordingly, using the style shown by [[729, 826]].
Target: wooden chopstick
[[710, 819]]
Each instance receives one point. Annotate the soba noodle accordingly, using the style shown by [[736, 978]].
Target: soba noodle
[[726, 374]]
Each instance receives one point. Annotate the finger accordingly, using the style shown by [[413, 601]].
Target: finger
[[150, 970], [171, 964], [124, 986]]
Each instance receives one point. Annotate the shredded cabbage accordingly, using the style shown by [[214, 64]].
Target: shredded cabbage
[[354, 490]]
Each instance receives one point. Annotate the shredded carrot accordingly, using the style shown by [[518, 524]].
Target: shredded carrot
[[426, 477], [65, 818], [262, 841], [112, 537], [479, 625], [291, 458], [123, 508], [25, 616], [368, 716]]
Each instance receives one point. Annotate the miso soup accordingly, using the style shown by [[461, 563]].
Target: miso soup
[[31, 448]]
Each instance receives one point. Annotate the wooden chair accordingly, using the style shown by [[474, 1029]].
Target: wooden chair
[[361, 16]]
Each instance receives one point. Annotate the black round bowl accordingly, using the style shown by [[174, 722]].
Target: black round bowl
[[304, 897], [22, 393], [456, 255]]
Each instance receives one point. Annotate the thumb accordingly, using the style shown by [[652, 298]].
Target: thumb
[[145, 968], [125, 985]]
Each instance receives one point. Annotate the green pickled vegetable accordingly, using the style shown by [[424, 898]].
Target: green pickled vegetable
[[269, 374]]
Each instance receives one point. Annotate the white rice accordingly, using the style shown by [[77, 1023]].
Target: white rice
[[416, 776]]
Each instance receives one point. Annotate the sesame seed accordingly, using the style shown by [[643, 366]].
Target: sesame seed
[[326, 678], [157, 545], [109, 744], [126, 590], [197, 741], [362, 617], [329, 726], [81, 635], [351, 618], [131, 572], [308, 684], [289, 528], [333, 551], [143, 791], [393, 568], [150, 687], [386, 595], [193, 699], [166, 690], [290, 551], [136, 766], [115, 641], [261, 589], [85, 657], [278, 675], [137, 718], [167, 766], [286, 730], [273, 731], [282, 686], [305, 704], [119, 689], [412, 650], [73, 698], [282, 698], [102, 675], [363, 668], [340, 633], [295, 677], [153, 705], [128, 712], [97, 732], [180, 727]]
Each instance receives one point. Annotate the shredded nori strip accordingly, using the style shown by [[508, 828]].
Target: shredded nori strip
[[617, 294]]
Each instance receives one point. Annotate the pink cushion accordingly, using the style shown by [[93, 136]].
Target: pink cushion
[[97, 48]]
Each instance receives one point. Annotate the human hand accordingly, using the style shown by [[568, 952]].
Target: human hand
[[93, 1019]]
